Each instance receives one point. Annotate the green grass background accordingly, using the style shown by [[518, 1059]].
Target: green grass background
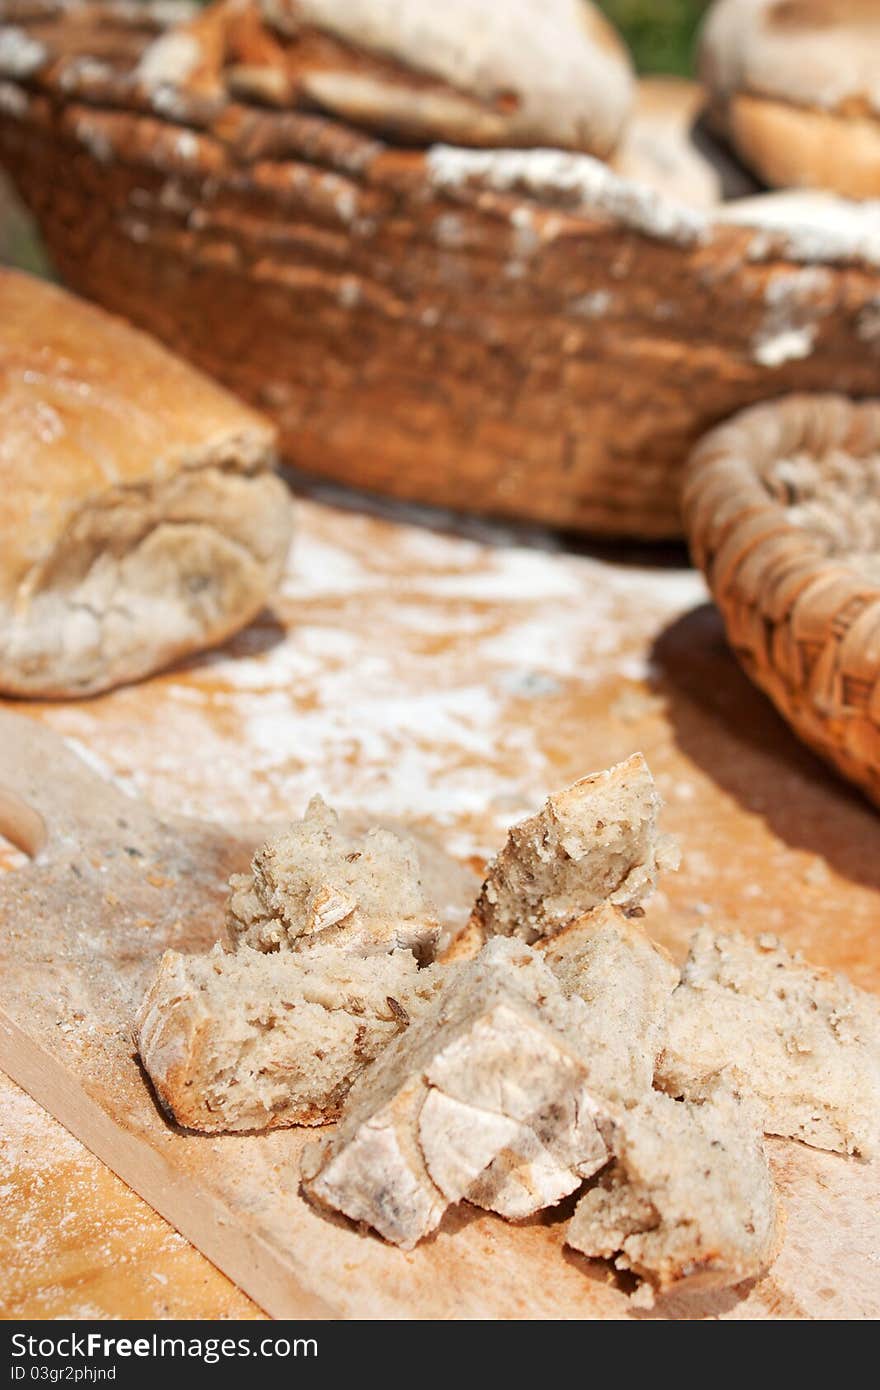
[[660, 33]]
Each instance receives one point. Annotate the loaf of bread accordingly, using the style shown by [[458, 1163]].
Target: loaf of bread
[[803, 1042], [794, 85], [594, 843], [319, 885], [528, 72], [142, 518], [688, 1202], [247, 1041]]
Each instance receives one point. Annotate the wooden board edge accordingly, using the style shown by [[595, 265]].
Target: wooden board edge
[[202, 1218]]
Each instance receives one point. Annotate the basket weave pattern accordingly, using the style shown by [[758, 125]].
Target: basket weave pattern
[[782, 507], [520, 351]]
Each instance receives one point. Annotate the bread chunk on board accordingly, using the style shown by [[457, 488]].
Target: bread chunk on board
[[530, 72], [142, 519], [803, 1042], [592, 844], [317, 884], [688, 1201], [626, 982], [247, 1041], [488, 1098]]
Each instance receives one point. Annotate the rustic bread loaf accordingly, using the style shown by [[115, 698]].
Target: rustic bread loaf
[[594, 843], [487, 1098], [689, 1200], [318, 885], [142, 520], [804, 1043], [248, 1041], [528, 72], [794, 83]]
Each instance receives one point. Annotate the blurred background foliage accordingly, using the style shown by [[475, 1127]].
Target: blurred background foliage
[[660, 33]]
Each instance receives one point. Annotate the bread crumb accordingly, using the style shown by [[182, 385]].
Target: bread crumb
[[487, 1098], [804, 1042], [248, 1041], [594, 843], [317, 885], [688, 1201]]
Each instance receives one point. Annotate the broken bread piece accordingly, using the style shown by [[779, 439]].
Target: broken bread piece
[[804, 1042], [594, 843], [315, 884], [248, 1041], [688, 1202], [487, 1098], [626, 981]]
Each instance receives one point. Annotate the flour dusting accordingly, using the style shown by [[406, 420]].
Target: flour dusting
[[406, 673]]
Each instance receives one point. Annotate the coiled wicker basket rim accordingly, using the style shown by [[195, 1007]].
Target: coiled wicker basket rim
[[801, 611]]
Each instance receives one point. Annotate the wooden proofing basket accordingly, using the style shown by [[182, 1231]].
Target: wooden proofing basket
[[512, 332], [782, 505]]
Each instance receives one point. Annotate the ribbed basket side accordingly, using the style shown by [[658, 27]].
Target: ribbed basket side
[[548, 348], [801, 618]]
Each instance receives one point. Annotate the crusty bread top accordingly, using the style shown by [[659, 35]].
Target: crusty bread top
[[594, 842], [821, 53], [87, 405], [552, 72]]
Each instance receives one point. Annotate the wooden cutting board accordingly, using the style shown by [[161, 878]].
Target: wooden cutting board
[[513, 670]]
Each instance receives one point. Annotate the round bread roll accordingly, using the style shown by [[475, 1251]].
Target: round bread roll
[[141, 518], [795, 84], [473, 72]]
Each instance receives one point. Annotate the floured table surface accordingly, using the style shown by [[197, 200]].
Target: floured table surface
[[75, 1242], [452, 682]]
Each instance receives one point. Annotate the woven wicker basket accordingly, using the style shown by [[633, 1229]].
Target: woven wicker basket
[[521, 333], [782, 506]]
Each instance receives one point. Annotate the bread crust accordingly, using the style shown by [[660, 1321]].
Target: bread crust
[[793, 83], [689, 1202], [594, 843], [798, 147], [803, 1042], [143, 520], [235, 1042], [528, 72]]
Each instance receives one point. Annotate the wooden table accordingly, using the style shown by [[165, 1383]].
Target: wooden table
[[453, 679]]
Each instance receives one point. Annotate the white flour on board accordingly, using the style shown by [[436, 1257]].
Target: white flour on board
[[402, 675]]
